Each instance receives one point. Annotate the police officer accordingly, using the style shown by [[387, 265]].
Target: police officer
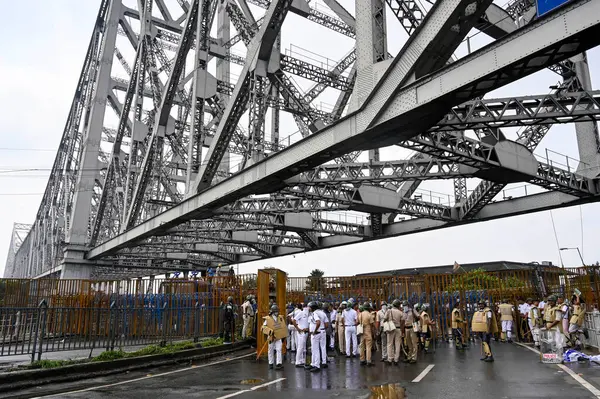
[[535, 322], [300, 322], [340, 328], [350, 320], [426, 326], [576, 321], [275, 329], [394, 337], [323, 340], [367, 321], [484, 324], [248, 317], [458, 322], [317, 333], [381, 335], [506, 312], [410, 335], [553, 321], [228, 320]]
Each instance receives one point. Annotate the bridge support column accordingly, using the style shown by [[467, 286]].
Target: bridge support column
[[588, 141]]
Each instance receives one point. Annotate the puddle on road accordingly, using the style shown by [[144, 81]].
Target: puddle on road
[[387, 391], [251, 381]]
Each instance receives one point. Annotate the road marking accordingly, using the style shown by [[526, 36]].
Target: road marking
[[573, 374], [580, 380], [423, 373], [529, 347], [146, 377], [231, 395]]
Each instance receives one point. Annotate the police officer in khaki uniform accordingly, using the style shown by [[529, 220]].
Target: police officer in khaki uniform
[[340, 328], [576, 321], [484, 324], [553, 321], [381, 335], [410, 335], [506, 312], [458, 322], [366, 319], [394, 338], [426, 326], [535, 322]]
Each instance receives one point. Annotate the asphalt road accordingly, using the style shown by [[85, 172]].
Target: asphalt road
[[516, 373]]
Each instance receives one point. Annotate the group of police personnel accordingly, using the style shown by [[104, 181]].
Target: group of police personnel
[[359, 330], [399, 331]]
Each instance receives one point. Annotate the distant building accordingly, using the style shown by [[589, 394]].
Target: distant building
[[493, 266]]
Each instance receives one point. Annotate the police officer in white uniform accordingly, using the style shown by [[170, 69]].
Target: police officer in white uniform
[[350, 320], [317, 333], [300, 322], [323, 342]]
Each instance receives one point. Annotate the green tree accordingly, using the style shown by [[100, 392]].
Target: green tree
[[315, 281]]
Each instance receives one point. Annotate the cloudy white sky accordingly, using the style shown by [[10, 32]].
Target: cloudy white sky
[[40, 61]]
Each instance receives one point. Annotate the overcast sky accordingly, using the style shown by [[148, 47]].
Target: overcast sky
[[40, 61]]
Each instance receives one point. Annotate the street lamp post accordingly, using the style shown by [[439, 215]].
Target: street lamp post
[[578, 251]]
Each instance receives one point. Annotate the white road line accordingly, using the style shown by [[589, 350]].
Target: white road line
[[146, 377], [231, 395], [423, 373], [573, 374], [580, 380], [529, 347]]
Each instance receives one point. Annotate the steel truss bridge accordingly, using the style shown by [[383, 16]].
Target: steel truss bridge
[[177, 152]]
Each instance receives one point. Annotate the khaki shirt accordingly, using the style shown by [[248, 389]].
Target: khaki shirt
[[366, 319], [396, 316]]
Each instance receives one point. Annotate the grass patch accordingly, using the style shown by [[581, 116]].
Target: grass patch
[[119, 354]]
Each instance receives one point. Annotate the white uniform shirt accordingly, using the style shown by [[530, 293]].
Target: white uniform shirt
[[301, 318], [312, 321], [323, 317], [350, 317], [333, 316]]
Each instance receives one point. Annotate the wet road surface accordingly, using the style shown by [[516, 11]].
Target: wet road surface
[[516, 373]]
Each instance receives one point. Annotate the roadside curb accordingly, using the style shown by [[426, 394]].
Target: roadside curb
[[27, 378]]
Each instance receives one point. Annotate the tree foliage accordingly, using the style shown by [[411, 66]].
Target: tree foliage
[[315, 281], [480, 279]]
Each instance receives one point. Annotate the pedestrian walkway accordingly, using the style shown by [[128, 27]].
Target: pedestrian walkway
[[516, 373]]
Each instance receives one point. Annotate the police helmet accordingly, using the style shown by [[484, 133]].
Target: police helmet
[[229, 299], [344, 303], [552, 298], [404, 303], [366, 306], [312, 305], [383, 303], [396, 303], [274, 308], [482, 302]]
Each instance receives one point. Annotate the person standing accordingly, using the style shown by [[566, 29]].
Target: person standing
[[410, 334], [274, 327], [553, 320], [291, 341], [333, 329], [535, 322], [484, 324], [458, 322], [248, 317], [576, 321], [340, 328], [325, 325], [317, 333], [426, 326], [381, 335], [506, 311], [228, 321], [367, 321], [300, 322], [350, 320], [394, 338]]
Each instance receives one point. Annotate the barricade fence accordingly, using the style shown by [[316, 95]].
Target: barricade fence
[[54, 315]]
